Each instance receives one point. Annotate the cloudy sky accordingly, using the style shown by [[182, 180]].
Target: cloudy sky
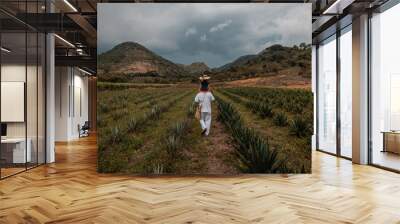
[[212, 33]]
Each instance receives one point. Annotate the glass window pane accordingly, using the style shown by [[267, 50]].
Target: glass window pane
[[346, 92], [13, 86], [41, 98], [327, 95], [385, 89], [31, 97]]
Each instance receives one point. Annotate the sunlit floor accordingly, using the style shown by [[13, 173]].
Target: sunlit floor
[[71, 191]]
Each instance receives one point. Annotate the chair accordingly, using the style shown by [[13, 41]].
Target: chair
[[84, 130]]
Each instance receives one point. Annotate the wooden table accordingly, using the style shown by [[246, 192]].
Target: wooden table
[[391, 141]]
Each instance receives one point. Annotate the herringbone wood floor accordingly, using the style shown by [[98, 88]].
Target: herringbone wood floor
[[70, 191]]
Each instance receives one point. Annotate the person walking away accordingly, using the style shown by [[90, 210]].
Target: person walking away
[[204, 99]]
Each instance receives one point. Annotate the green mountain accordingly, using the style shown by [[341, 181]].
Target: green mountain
[[196, 68], [129, 60], [272, 61], [132, 62], [238, 62]]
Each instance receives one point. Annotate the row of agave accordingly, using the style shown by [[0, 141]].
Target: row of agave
[[290, 100], [123, 99], [261, 108], [253, 152], [299, 125], [173, 141], [134, 124]]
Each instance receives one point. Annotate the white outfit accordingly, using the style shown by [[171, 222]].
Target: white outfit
[[204, 99], [205, 122]]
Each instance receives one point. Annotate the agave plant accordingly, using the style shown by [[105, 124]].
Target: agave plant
[[118, 114], [264, 110], [255, 154], [115, 136], [253, 106], [174, 139], [178, 129], [191, 110], [171, 145], [133, 125], [100, 121], [280, 119], [158, 169], [299, 127], [104, 108], [155, 113]]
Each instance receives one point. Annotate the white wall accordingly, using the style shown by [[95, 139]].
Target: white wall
[[62, 82], [12, 73], [70, 84], [80, 110], [16, 73], [33, 126]]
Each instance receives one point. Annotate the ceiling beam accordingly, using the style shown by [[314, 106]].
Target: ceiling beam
[[86, 27], [337, 7], [79, 61]]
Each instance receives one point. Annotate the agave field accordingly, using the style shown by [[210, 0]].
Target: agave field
[[152, 130]]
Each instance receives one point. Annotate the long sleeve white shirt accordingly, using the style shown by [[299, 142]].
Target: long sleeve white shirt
[[204, 99]]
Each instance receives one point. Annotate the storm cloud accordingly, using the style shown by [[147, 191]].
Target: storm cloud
[[212, 33]]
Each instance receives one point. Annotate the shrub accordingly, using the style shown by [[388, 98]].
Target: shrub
[[280, 119]]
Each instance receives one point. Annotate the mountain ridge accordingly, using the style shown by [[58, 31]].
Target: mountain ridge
[[132, 62], [131, 58]]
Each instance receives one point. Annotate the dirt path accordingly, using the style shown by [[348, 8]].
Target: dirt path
[[212, 154], [220, 151]]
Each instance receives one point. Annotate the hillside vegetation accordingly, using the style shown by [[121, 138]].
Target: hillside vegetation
[[274, 60], [132, 62]]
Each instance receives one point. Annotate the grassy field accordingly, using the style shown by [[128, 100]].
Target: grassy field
[[152, 130]]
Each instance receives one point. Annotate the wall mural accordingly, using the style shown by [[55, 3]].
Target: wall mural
[[204, 88]]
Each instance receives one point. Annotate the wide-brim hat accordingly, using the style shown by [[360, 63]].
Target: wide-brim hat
[[204, 77]]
